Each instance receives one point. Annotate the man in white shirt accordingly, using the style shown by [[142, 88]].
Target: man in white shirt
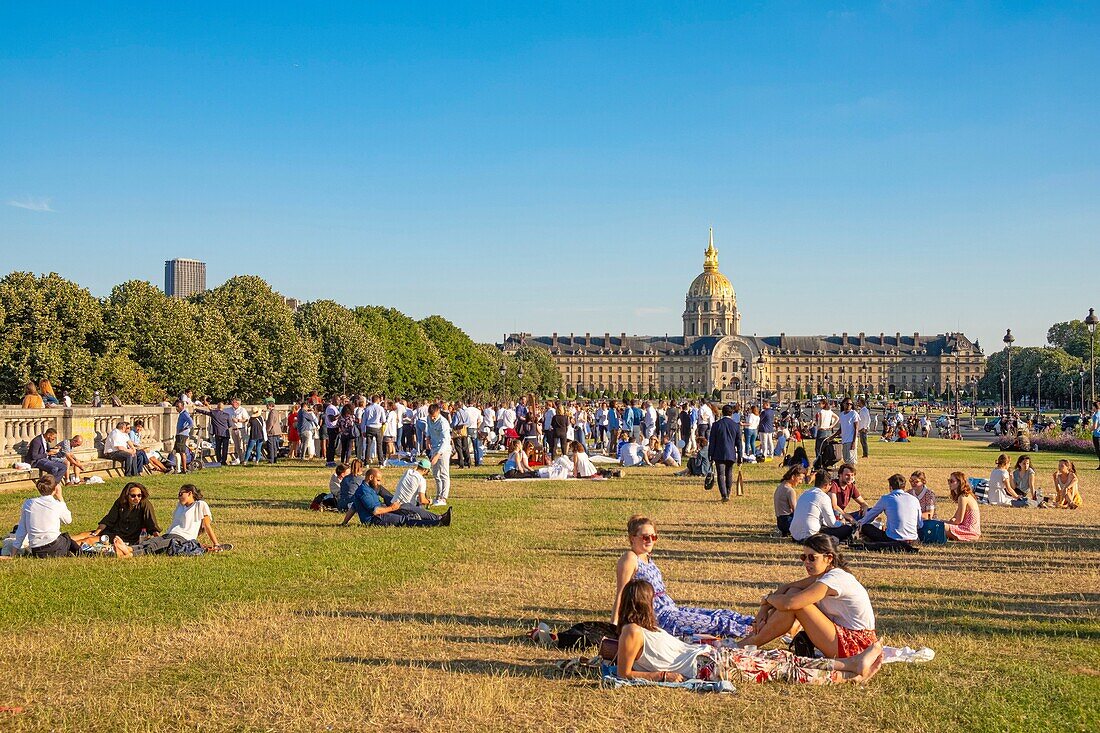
[[864, 423], [332, 413], [117, 447], [632, 453], [374, 417], [412, 487], [813, 513], [848, 421], [439, 438], [473, 415], [705, 419], [40, 521], [238, 421], [903, 516], [649, 419]]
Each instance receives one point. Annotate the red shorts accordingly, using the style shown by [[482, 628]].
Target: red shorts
[[850, 642]]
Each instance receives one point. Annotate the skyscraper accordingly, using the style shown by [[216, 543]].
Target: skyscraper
[[183, 278]]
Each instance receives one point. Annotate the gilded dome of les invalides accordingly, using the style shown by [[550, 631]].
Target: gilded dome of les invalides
[[711, 283]]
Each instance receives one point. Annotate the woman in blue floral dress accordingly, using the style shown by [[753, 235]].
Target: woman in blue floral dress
[[636, 563]]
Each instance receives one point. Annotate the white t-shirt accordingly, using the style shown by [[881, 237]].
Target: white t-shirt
[[585, 467], [187, 520], [864, 418], [851, 606], [116, 440], [706, 415], [999, 481], [849, 424], [752, 421], [409, 487], [826, 420], [40, 521], [631, 454], [507, 419], [812, 511], [393, 422]]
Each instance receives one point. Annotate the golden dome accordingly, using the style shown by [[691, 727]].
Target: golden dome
[[711, 283]]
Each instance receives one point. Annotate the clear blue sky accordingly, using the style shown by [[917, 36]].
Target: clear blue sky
[[923, 166]]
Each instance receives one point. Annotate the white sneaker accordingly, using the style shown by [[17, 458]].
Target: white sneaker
[[439, 502], [235, 462]]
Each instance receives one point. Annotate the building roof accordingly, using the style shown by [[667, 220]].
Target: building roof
[[782, 345]]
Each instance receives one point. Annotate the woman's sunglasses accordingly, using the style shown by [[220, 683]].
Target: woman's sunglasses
[[811, 556], [648, 537]]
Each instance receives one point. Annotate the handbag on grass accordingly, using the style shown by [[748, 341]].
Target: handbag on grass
[[933, 532]]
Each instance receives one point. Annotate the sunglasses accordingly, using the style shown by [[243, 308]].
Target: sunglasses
[[648, 537], [810, 556], [135, 496]]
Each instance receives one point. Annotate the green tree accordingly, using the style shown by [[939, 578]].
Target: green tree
[[1071, 336], [414, 366], [471, 370], [175, 342], [51, 330], [344, 348], [115, 374], [1059, 370], [540, 376], [264, 351]]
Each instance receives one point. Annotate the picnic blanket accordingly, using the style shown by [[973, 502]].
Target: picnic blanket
[[610, 681], [980, 487]]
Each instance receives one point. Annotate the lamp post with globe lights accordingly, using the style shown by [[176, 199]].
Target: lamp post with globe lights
[[1008, 339], [1091, 320], [1082, 373], [1038, 393]]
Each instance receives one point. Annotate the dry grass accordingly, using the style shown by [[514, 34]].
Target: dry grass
[[310, 627]]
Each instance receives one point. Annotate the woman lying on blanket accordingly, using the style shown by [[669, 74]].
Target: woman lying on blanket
[[648, 652], [637, 564], [830, 605]]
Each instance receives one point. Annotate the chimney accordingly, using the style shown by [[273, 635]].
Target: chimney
[[897, 338], [587, 336], [570, 337], [623, 336], [881, 337], [916, 338], [554, 340], [844, 339], [606, 339], [862, 336]]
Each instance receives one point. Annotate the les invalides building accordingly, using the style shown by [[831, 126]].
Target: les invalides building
[[712, 354]]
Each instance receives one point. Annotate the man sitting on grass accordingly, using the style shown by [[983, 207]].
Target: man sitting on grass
[[903, 518], [191, 518], [368, 504]]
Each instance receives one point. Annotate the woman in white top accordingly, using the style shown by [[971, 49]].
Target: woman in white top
[[1000, 490], [190, 519], [830, 604], [825, 422], [583, 467], [648, 652]]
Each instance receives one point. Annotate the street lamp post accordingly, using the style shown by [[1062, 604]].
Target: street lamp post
[[1008, 339], [1002, 394], [503, 380], [1082, 390], [1091, 320], [1038, 393]]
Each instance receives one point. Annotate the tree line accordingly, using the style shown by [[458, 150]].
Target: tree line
[[1061, 362], [242, 339]]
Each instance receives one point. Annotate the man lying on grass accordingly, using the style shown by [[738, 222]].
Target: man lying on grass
[[191, 518], [369, 506]]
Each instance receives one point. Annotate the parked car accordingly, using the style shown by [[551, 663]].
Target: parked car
[[993, 426], [1071, 422]]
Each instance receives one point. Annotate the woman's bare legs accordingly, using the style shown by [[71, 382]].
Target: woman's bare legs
[[818, 627], [122, 549]]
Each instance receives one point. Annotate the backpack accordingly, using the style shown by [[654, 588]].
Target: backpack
[[585, 634]]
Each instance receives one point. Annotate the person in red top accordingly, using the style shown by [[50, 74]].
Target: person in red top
[[843, 491]]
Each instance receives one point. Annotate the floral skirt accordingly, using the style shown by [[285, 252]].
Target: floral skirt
[[772, 665]]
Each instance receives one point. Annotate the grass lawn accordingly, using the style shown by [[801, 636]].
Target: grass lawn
[[307, 626]]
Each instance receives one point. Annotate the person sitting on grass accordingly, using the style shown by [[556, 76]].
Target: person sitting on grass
[[40, 521], [830, 605], [516, 465], [646, 651], [371, 508], [1001, 492], [633, 453], [1068, 494], [637, 564], [349, 483], [918, 487], [814, 513], [191, 518], [583, 467], [966, 525], [798, 457], [670, 453], [1024, 482], [903, 518], [843, 491], [785, 498], [412, 487], [131, 513]]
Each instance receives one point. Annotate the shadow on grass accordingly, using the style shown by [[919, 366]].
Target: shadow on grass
[[302, 505], [469, 666], [442, 618]]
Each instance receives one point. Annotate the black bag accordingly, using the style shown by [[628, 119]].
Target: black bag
[[801, 646], [586, 634], [708, 481], [611, 473]]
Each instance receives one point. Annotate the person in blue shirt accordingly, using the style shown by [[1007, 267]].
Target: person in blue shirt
[[628, 421], [369, 505], [903, 517], [766, 430], [670, 455], [184, 424]]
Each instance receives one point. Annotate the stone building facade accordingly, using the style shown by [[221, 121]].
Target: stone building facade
[[712, 354]]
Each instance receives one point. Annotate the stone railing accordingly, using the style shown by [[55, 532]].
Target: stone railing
[[18, 427]]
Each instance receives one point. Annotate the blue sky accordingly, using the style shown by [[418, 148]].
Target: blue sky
[[912, 166]]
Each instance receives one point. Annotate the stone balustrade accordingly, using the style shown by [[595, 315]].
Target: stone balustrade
[[18, 427]]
